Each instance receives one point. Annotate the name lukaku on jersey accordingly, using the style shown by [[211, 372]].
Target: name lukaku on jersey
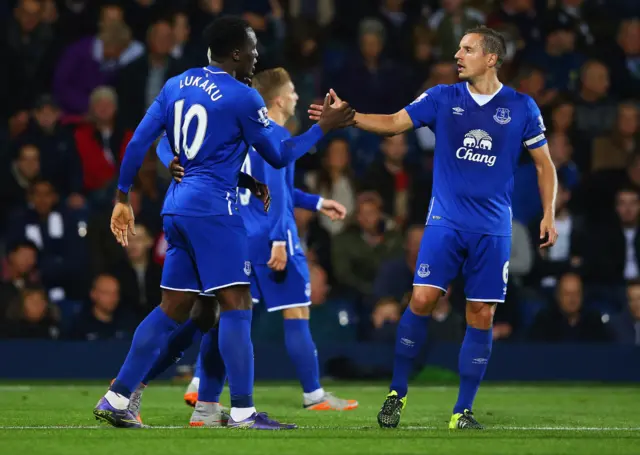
[[475, 142]]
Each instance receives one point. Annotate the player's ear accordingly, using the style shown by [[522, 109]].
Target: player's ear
[[235, 55], [493, 60]]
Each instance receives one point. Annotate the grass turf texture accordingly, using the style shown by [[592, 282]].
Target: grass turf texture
[[523, 419]]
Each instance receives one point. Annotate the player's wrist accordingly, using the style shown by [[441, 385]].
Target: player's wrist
[[122, 197], [320, 204]]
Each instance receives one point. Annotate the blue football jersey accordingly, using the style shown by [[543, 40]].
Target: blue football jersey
[[210, 119], [476, 155], [278, 225]]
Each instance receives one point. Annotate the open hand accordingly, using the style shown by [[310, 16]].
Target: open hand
[[315, 110], [548, 231], [122, 222], [333, 210]]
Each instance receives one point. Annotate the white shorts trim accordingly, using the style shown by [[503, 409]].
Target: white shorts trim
[[431, 286], [180, 290], [284, 307], [226, 286], [486, 300]]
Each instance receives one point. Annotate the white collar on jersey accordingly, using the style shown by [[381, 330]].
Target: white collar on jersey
[[482, 99]]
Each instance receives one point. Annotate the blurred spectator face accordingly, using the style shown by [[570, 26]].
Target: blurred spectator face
[[139, 245], [43, 198], [111, 14], [595, 78], [211, 6], [562, 116], [115, 37], [35, 306], [393, 5], [533, 83], [569, 294], [451, 6], [28, 14], [443, 73], [627, 120], [181, 28], [370, 46], [337, 159], [303, 218], [369, 215], [161, 40], [628, 207], [561, 41], [28, 161], [519, 6], [103, 108], [386, 311], [47, 116], [633, 296], [629, 37], [319, 287], [105, 293], [23, 260], [412, 243], [288, 99], [394, 148], [560, 149], [49, 12], [633, 169]]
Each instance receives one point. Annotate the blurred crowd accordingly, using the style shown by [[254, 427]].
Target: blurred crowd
[[78, 76]]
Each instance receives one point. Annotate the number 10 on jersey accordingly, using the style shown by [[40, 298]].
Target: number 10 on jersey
[[181, 128]]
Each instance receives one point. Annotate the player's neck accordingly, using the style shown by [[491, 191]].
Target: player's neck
[[224, 66], [484, 85], [278, 116]]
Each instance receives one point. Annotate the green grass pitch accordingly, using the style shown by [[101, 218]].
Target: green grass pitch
[[520, 419]]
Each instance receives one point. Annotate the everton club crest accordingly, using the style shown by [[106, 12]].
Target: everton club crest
[[502, 116]]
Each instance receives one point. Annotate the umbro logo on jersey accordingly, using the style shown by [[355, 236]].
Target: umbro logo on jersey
[[457, 110]]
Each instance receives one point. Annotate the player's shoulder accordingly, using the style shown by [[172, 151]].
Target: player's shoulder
[[520, 99]]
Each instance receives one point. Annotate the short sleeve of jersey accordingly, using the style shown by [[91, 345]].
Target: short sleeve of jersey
[[534, 130], [253, 116], [157, 108], [423, 109]]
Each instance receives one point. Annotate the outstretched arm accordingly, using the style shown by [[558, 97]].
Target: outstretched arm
[[419, 113]]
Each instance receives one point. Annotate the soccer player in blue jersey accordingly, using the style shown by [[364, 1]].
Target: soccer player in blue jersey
[[209, 118], [480, 126], [280, 275]]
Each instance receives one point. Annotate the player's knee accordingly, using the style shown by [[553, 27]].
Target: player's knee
[[177, 304], [480, 315], [235, 298], [206, 312], [424, 299], [296, 313]]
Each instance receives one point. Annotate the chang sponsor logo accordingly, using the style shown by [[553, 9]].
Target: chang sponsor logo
[[474, 146]]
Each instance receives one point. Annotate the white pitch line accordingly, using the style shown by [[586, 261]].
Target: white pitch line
[[408, 428]]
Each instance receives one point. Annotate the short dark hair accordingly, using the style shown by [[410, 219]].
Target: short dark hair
[[225, 34], [492, 42]]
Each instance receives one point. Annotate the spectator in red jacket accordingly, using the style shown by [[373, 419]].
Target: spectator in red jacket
[[101, 144]]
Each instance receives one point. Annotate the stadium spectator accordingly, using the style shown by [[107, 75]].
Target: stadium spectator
[[625, 326], [334, 180], [190, 51], [568, 321], [449, 24], [59, 161], [32, 316], [23, 171], [18, 271], [30, 44], [141, 80], [613, 151], [390, 178], [138, 275], [523, 15], [59, 236], [92, 62], [101, 143], [102, 318], [567, 254], [368, 241]]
